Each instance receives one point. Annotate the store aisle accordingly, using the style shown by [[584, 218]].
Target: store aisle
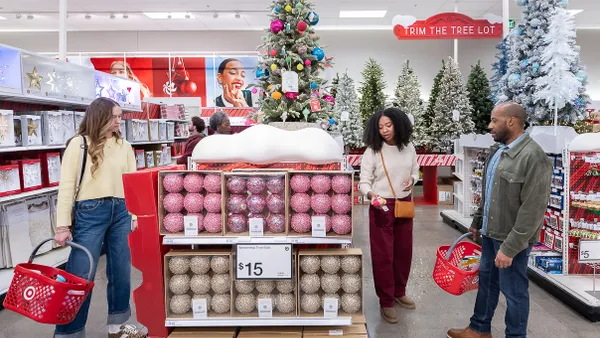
[[436, 310]]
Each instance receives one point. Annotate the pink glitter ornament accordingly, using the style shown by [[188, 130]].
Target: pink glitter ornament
[[256, 203], [276, 223], [320, 184], [256, 185], [276, 185], [320, 203], [341, 184], [193, 202], [341, 224], [301, 223], [328, 223], [300, 183], [173, 182], [236, 185], [237, 223], [341, 204], [300, 202], [193, 183], [200, 221], [212, 202], [212, 223], [237, 204], [173, 222], [212, 183], [173, 202], [276, 204]]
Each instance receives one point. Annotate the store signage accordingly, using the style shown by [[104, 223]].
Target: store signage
[[125, 92], [589, 251], [447, 26], [263, 261], [10, 71]]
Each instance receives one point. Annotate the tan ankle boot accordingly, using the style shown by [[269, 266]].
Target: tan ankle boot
[[466, 333], [389, 314], [406, 302]]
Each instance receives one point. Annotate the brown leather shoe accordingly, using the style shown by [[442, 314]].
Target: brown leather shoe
[[466, 333], [389, 314], [406, 302]]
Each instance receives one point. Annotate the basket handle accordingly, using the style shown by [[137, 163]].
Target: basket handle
[[71, 244], [456, 243]]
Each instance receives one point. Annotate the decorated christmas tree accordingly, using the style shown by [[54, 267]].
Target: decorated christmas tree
[[407, 97], [372, 97], [499, 69], [346, 107], [334, 85], [423, 133], [479, 93], [525, 61], [288, 72], [452, 109]]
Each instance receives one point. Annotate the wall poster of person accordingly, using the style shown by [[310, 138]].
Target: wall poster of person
[[227, 81]]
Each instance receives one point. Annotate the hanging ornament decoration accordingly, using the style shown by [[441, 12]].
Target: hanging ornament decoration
[[521, 2], [525, 63], [312, 36], [270, 87], [299, 5], [513, 78], [332, 122], [300, 67], [276, 95], [291, 95], [581, 76], [312, 18], [307, 62], [277, 10], [288, 59], [301, 27], [535, 67], [306, 112], [302, 49], [313, 85], [35, 80], [273, 66], [276, 26], [329, 98], [289, 82], [318, 53], [315, 105], [288, 8], [260, 72], [563, 3], [273, 52], [288, 27], [535, 22], [283, 51], [254, 90]]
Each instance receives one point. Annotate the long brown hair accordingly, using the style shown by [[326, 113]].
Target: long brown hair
[[97, 121]]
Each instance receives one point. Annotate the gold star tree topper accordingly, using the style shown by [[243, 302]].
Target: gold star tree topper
[[35, 80]]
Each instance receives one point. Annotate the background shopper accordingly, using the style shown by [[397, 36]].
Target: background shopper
[[219, 123], [387, 136], [516, 188], [99, 214], [196, 134]]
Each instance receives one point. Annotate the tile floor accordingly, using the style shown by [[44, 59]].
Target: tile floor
[[436, 312]]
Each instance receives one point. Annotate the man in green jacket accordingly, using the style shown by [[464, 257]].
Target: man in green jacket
[[516, 188]]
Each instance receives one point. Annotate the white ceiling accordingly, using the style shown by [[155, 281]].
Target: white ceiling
[[253, 13]]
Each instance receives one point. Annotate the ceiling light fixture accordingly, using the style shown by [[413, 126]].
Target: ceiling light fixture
[[18, 16], [125, 16], [2, 18], [574, 11], [237, 15], [30, 16], [112, 16], [377, 14], [88, 16], [169, 15], [216, 15], [187, 15]]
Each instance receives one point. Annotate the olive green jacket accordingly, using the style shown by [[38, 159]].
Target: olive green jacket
[[519, 196]]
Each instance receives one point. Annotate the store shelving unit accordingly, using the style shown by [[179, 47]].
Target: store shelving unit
[[241, 321], [230, 240]]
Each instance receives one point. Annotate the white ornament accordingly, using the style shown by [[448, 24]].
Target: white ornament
[[289, 82]]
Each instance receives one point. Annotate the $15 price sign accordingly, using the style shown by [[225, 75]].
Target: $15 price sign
[[263, 261]]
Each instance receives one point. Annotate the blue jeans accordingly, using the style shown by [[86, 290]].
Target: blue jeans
[[101, 222], [513, 283]]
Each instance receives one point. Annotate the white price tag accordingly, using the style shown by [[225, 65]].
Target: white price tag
[[263, 261], [338, 332], [319, 226], [589, 251], [200, 308], [345, 116], [265, 308], [330, 307], [455, 115], [257, 226], [191, 225]]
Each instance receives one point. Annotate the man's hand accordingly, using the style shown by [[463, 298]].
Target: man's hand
[[476, 233], [502, 260]]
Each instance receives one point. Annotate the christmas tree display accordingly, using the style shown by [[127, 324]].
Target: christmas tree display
[[479, 93], [423, 134], [559, 86], [499, 69], [351, 125], [525, 61], [372, 97], [452, 109], [334, 85], [407, 97], [288, 71]]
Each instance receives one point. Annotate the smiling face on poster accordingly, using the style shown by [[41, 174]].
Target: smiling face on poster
[[227, 81]]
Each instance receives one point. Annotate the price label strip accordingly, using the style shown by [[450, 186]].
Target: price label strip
[[589, 251], [263, 261]]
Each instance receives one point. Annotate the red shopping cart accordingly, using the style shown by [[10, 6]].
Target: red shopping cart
[[45, 294], [446, 273]]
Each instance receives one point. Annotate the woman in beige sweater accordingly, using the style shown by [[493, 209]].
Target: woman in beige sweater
[[387, 138], [99, 214]]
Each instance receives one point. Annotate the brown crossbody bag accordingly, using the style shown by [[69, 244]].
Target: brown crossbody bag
[[402, 209]]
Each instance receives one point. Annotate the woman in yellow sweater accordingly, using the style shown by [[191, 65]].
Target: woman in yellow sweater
[[99, 216]]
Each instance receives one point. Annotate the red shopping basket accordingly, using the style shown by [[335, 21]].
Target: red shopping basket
[[447, 275], [36, 293]]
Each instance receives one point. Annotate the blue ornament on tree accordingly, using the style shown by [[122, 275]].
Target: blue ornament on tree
[[513, 78], [535, 67], [535, 22], [260, 72], [313, 85], [524, 63], [277, 10], [288, 27], [312, 18], [521, 2], [581, 76], [318, 53], [332, 121], [563, 3]]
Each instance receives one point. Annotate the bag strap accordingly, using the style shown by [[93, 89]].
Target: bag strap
[[386, 174], [82, 164]]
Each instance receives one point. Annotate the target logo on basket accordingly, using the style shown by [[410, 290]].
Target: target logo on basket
[[29, 293], [475, 280]]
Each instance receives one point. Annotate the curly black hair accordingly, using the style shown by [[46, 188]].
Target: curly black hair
[[402, 128], [199, 124]]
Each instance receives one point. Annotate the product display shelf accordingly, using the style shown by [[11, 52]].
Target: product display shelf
[[30, 148], [27, 194], [241, 321], [231, 240]]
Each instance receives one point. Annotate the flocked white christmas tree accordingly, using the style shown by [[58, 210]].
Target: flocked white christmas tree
[[559, 85], [452, 109], [407, 97], [346, 107]]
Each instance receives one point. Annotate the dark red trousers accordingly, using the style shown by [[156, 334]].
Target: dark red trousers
[[391, 252]]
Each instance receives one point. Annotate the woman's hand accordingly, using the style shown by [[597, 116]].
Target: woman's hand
[[237, 100], [408, 184], [63, 234], [134, 224]]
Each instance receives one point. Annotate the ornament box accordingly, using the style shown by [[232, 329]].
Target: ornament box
[[158, 158], [252, 198], [154, 130], [166, 155], [182, 130], [201, 277], [162, 130], [53, 128], [328, 194], [261, 332], [31, 130], [343, 270], [140, 159], [204, 332], [150, 159], [7, 128], [50, 169], [30, 172], [68, 121], [196, 191], [170, 131], [18, 131], [123, 128], [137, 131], [78, 118], [10, 180]]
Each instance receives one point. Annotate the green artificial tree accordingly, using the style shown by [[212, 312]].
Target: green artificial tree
[[334, 85], [372, 97], [425, 139], [346, 107], [291, 45], [407, 97], [479, 93]]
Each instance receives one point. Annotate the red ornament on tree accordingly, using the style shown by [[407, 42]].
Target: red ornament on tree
[[273, 52], [302, 26]]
